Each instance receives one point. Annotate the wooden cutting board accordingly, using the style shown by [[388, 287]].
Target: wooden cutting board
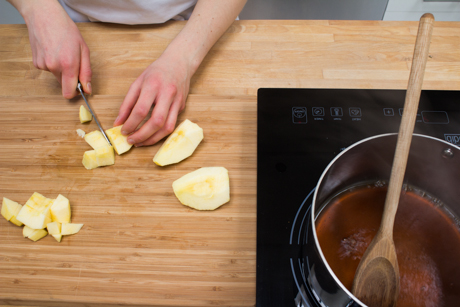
[[139, 244]]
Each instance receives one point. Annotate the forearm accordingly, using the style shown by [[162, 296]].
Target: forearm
[[209, 20], [27, 7]]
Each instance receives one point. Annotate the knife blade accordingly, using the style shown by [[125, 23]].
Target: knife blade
[[92, 113]]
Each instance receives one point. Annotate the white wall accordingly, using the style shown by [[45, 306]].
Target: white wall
[[8, 14], [396, 10], [414, 9]]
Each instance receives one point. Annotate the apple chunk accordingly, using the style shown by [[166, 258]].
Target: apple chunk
[[54, 229], [10, 210], [96, 140], [38, 234], [105, 156], [36, 212], [85, 115], [204, 189], [118, 140], [180, 144], [33, 218], [27, 231], [60, 210], [89, 159]]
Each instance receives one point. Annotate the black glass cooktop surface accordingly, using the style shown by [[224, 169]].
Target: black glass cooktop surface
[[299, 132]]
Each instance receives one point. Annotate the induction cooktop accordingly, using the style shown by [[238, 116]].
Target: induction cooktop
[[299, 131]]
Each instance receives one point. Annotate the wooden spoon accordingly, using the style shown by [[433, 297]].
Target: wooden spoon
[[376, 280]]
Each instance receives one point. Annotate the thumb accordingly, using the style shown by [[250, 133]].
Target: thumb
[[85, 70]]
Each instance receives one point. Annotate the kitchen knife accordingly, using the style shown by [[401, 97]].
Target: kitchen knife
[[92, 113]]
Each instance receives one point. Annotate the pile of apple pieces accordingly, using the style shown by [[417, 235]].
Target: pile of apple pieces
[[40, 213], [206, 188], [102, 153]]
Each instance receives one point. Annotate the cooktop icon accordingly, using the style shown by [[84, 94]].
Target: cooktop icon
[[355, 112], [299, 115], [336, 111], [318, 111], [388, 112]]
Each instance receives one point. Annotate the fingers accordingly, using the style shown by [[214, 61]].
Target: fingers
[[85, 70], [141, 109], [69, 81], [157, 120], [128, 103], [168, 127]]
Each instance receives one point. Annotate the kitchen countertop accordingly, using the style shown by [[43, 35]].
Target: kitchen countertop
[[139, 245]]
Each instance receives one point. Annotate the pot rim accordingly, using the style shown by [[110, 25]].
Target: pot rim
[[312, 217]]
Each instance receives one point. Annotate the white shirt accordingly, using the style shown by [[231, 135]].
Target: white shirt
[[128, 11]]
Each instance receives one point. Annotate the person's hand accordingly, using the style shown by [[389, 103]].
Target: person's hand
[[57, 45], [164, 84]]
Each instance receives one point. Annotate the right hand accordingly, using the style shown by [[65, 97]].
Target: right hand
[[57, 45]]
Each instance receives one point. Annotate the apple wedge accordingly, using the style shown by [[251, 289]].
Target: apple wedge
[[180, 144], [70, 228], [118, 140], [204, 189], [95, 139], [85, 115], [60, 210], [10, 210]]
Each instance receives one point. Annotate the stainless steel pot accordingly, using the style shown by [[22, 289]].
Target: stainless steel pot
[[433, 166]]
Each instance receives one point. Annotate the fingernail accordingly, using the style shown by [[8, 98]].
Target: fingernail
[[116, 119], [131, 141], [88, 85], [124, 132], [139, 145]]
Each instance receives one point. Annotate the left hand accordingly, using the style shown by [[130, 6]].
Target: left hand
[[165, 84]]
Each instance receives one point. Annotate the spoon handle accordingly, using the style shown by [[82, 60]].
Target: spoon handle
[[409, 116]]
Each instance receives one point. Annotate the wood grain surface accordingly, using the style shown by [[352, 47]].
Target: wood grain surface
[[139, 245]]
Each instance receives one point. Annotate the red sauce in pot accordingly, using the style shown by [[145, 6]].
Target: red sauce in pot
[[426, 236]]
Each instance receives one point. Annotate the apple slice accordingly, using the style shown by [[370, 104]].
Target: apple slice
[[37, 234], [180, 144], [60, 210], [105, 156], [89, 159], [10, 210], [118, 140], [27, 231], [204, 189], [96, 140], [70, 228], [85, 115]]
